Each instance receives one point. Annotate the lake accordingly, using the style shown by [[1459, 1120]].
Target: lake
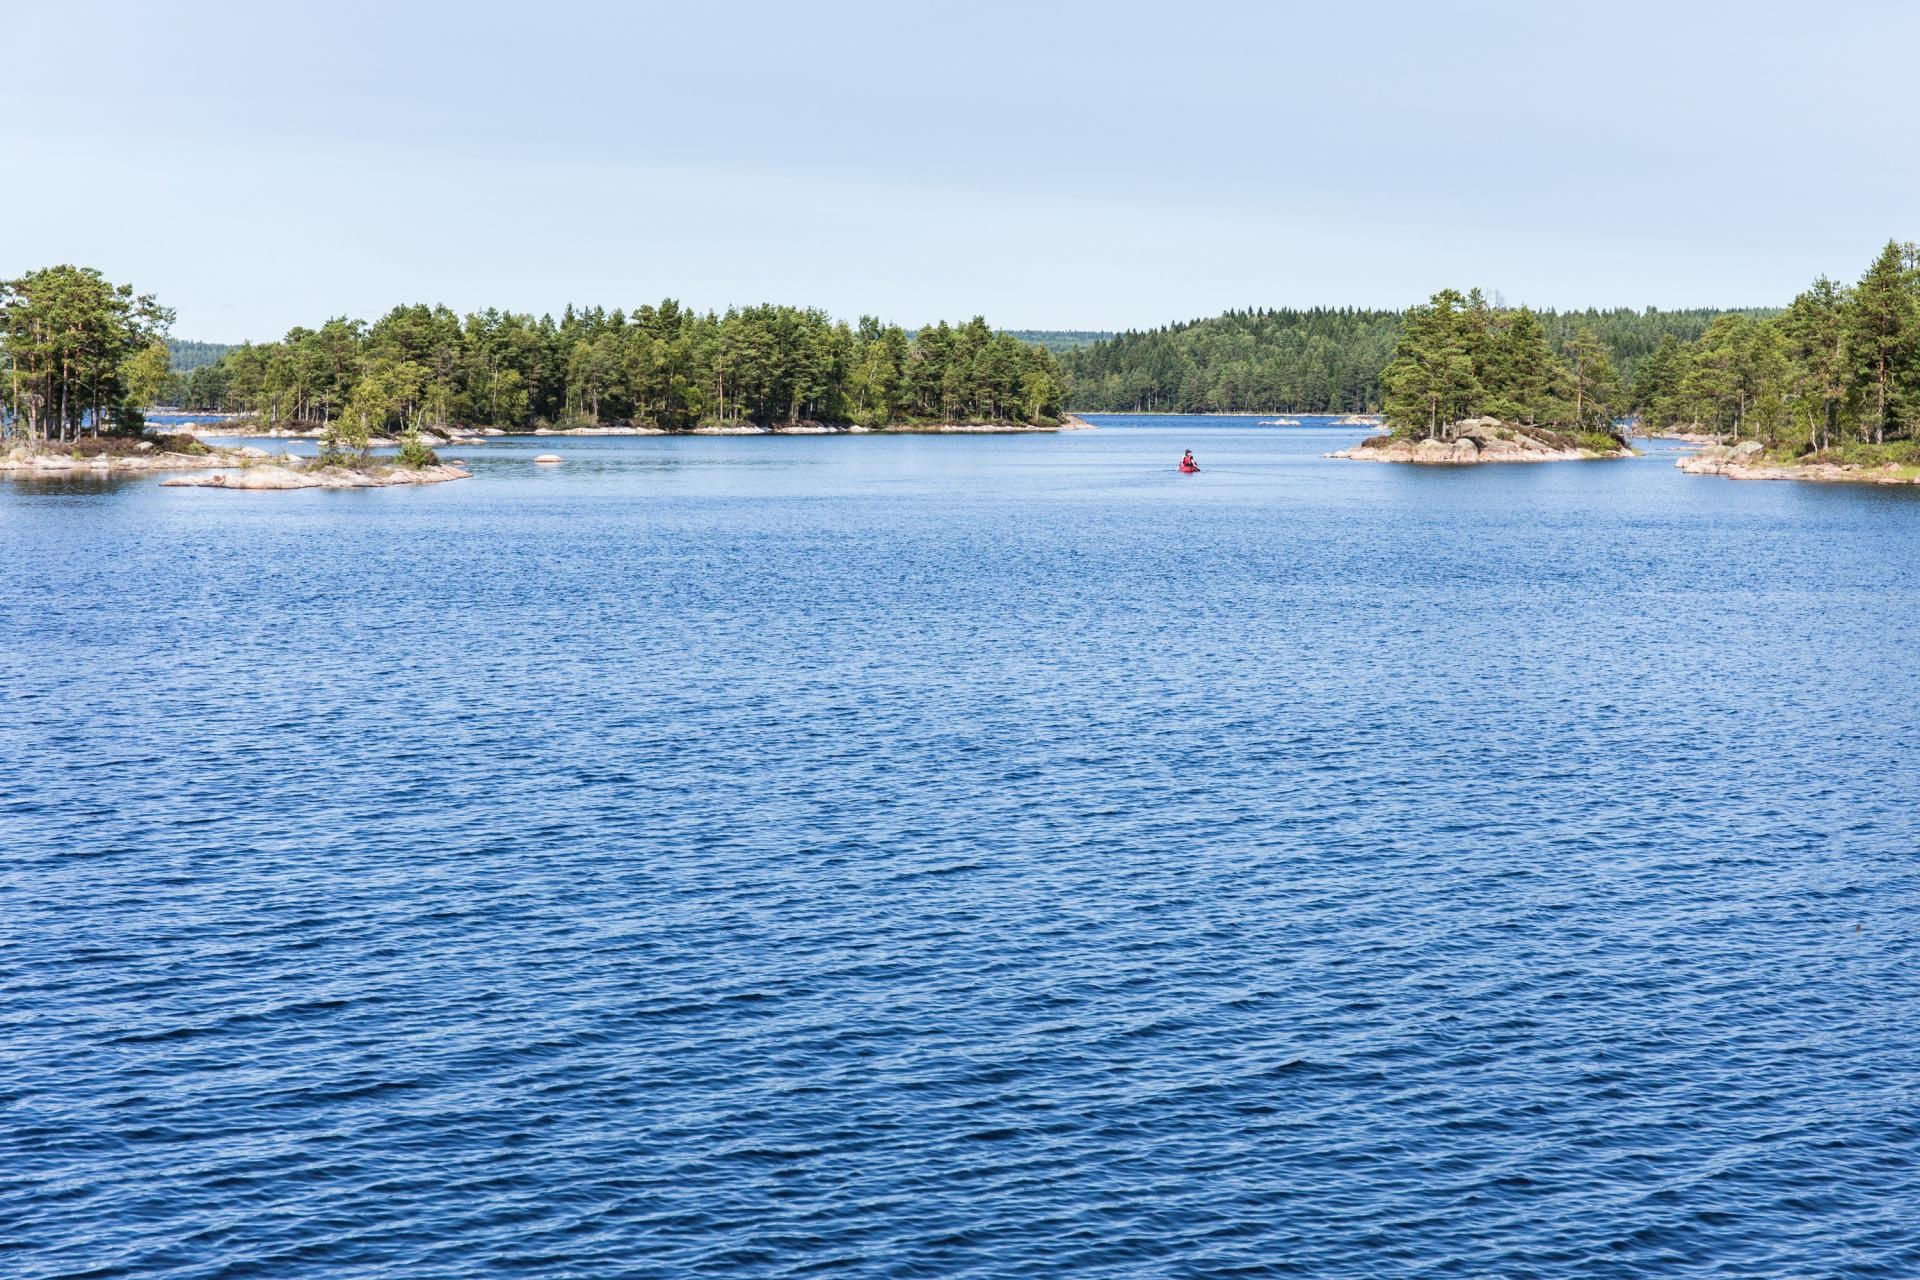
[[962, 856]]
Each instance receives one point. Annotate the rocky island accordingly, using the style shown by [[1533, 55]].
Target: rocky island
[[1751, 460], [1472, 383], [304, 473], [1475, 440], [219, 468], [119, 455]]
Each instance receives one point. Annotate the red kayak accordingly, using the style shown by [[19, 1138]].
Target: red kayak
[[1186, 470]]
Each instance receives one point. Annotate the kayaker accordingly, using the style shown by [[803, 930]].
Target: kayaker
[[1187, 463]]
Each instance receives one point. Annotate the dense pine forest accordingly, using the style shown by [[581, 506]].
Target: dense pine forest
[[1835, 374], [1318, 361], [1324, 360]]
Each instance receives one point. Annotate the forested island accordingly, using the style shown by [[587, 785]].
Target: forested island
[[1470, 382]]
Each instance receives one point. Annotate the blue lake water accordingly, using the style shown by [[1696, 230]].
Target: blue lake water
[[961, 856]]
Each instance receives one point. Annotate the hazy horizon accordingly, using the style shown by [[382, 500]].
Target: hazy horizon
[[1083, 167]]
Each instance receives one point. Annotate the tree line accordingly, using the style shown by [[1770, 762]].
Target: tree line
[[666, 366], [1321, 360], [1838, 370]]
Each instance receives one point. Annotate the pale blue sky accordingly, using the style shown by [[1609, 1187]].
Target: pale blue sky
[[1072, 165]]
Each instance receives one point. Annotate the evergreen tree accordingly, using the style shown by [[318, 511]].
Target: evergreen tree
[[1520, 371], [1815, 328], [78, 353], [1595, 385], [1655, 393], [1431, 380], [1882, 332]]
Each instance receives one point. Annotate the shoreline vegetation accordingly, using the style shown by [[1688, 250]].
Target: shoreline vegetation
[[1750, 460], [1827, 390], [79, 355]]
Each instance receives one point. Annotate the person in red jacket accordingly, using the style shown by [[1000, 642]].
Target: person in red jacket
[[1187, 463]]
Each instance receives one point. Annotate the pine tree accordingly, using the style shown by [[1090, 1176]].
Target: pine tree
[[1596, 387], [1431, 380], [1881, 332], [1815, 327], [1520, 372]]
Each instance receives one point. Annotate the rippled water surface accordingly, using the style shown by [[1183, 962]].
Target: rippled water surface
[[961, 856]]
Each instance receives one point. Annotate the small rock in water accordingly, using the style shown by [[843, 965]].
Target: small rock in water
[[548, 459]]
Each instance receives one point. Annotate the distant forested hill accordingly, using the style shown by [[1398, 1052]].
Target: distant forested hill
[[1326, 360], [183, 356], [1059, 340], [1322, 360]]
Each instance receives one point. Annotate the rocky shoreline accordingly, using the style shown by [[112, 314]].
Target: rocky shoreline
[[1748, 461], [235, 468], [22, 461], [1478, 440], [478, 435], [289, 473], [461, 435], [818, 429]]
